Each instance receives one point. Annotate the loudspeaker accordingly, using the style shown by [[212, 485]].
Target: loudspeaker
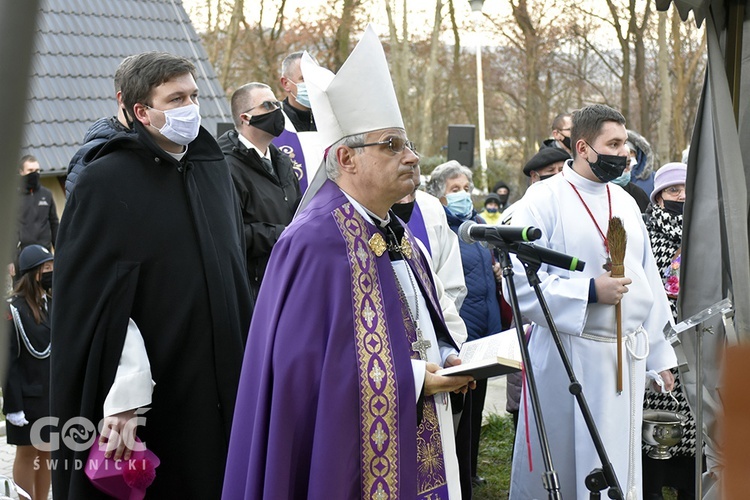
[[461, 144], [223, 127]]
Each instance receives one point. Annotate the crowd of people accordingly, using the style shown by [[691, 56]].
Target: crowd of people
[[274, 335]]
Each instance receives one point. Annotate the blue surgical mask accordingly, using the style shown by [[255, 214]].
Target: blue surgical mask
[[302, 96], [460, 203], [623, 180]]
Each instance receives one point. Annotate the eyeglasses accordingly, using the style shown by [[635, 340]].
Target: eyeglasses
[[395, 144], [267, 105], [675, 190]]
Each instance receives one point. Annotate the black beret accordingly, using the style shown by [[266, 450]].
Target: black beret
[[545, 156]]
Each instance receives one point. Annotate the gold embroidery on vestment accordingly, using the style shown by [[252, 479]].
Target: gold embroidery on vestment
[[379, 464], [377, 244]]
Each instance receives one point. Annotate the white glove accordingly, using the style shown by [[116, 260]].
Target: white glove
[[17, 418]]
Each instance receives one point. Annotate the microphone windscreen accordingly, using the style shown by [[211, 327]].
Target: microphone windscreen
[[464, 232]]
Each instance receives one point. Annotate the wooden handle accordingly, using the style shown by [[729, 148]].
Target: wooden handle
[[618, 316]]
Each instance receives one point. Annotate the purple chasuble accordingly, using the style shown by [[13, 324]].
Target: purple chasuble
[[326, 403]]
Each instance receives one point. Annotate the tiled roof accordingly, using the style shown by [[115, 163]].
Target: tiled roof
[[79, 45]]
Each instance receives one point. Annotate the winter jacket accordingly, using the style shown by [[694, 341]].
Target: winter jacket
[[303, 121], [37, 218], [480, 309], [100, 132], [267, 202], [26, 386], [642, 175]]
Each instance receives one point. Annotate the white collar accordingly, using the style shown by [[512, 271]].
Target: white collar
[[177, 156], [581, 182], [250, 145], [364, 212]]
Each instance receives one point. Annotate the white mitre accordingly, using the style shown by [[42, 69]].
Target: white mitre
[[359, 98]]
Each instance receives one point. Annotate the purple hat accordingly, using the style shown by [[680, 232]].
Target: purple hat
[[122, 479], [670, 174]]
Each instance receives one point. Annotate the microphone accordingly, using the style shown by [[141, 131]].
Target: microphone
[[471, 232], [550, 257]]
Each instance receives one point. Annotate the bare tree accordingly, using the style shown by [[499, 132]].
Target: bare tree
[[622, 39], [238, 18], [428, 96], [688, 62], [638, 31], [665, 114], [343, 33], [399, 54]]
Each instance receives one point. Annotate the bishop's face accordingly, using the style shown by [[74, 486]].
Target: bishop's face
[[383, 172]]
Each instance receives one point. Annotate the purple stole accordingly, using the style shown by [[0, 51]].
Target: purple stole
[[378, 394], [288, 143], [418, 228]]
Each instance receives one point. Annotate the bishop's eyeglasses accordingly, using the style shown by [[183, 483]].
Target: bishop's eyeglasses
[[395, 144]]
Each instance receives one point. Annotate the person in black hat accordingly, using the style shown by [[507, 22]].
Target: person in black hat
[[26, 387], [543, 165], [492, 212], [502, 190]]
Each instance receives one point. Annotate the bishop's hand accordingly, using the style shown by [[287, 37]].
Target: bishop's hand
[[434, 383]]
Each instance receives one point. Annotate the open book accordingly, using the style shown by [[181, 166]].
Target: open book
[[491, 356]]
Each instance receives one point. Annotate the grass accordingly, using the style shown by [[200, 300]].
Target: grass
[[495, 456]]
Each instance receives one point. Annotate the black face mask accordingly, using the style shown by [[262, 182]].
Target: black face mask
[[503, 200], [272, 122], [403, 210], [46, 280], [674, 207], [546, 176], [606, 168], [32, 181], [566, 142]]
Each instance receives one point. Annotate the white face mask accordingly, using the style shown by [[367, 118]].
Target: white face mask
[[182, 124]]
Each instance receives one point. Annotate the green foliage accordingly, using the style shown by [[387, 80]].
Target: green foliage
[[428, 163], [495, 455]]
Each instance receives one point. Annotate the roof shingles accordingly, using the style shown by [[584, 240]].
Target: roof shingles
[[79, 45]]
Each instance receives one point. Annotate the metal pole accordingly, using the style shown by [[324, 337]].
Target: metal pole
[[733, 56], [699, 413], [17, 29], [483, 185]]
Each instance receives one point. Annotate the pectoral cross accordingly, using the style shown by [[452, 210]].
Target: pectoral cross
[[421, 345]]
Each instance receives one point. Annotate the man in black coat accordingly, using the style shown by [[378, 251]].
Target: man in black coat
[[37, 214], [151, 278], [266, 184], [296, 105]]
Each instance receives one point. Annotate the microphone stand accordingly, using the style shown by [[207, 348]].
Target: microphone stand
[[549, 478], [598, 479]]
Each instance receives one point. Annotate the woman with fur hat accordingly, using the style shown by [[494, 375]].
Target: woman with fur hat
[[26, 388]]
